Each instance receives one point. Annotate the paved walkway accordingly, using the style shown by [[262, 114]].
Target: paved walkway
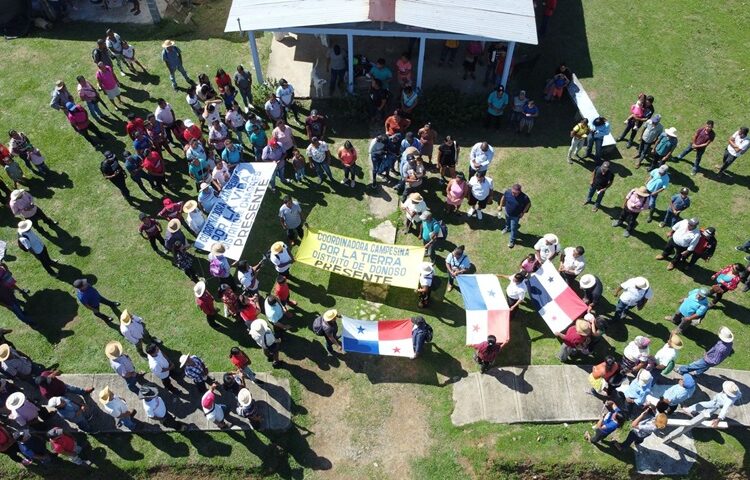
[[272, 398], [558, 393], [119, 12]]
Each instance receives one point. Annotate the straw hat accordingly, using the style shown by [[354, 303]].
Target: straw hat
[[426, 268], [4, 352], [725, 335], [167, 43], [199, 288], [54, 403], [125, 317], [183, 359], [277, 247], [551, 238], [587, 281], [642, 192], [16, 194], [330, 315], [218, 248], [642, 283], [105, 395], [15, 400], [583, 327], [671, 131], [244, 397], [24, 226], [676, 342], [730, 388], [660, 421], [644, 377], [113, 349], [416, 198], [589, 317], [174, 225], [189, 206], [258, 326]]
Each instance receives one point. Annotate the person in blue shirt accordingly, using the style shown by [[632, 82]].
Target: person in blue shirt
[[421, 333], [636, 391], [497, 100], [430, 233], [172, 57], [529, 112], [258, 140], [678, 204], [676, 394], [516, 204], [610, 421], [656, 181], [90, 298], [141, 142], [599, 129], [199, 172], [692, 309], [456, 263], [664, 147], [382, 73], [232, 153]]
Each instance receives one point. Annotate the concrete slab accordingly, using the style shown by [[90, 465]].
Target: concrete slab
[[118, 12], [382, 202], [272, 397], [293, 59], [654, 457], [385, 232]]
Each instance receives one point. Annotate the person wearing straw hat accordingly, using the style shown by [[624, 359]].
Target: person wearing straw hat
[[195, 369], [664, 147], [65, 445], [218, 265], [547, 248], [713, 357], [156, 409], [161, 366], [30, 242], [204, 300], [22, 410], [325, 326], [133, 328], [633, 292], [719, 404], [636, 391], [575, 339], [281, 258], [424, 290], [122, 365], [70, 410], [213, 411], [174, 235], [635, 202], [116, 407], [171, 55], [89, 297], [641, 428], [207, 197], [193, 217], [591, 291], [675, 395], [413, 207], [60, 97], [683, 238], [151, 231], [23, 206], [262, 334], [246, 408], [13, 363], [666, 356], [692, 309]]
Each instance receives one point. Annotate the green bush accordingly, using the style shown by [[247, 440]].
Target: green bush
[[448, 109]]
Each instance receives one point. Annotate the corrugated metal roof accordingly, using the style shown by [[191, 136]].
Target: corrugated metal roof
[[510, 20]]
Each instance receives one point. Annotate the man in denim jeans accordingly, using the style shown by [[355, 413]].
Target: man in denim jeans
[[319, 157], [601, 180], [516, 205]]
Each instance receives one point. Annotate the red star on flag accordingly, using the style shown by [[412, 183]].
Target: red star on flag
[[475, 327], [396, 350]]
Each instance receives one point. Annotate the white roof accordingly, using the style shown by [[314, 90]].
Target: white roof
[[510, 20]]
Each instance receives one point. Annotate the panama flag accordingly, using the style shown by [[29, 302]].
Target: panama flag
[[487, 311], [556, 302], [386, 337]]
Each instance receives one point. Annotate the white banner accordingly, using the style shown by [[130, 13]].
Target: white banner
[[232, 218]]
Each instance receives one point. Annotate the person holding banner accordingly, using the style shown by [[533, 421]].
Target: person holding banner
[[274, 152], [218, 265], [430, 234], [424, 291], [574, 340], [547, 248], [207, 197], [516, 290], [421, 333], [292, 219], [248, 276], [572, 263], [281, 258]]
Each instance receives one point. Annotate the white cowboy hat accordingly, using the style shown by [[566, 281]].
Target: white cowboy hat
[[113, 349], [4, 352], [24, 226], [551, 238], [105, 395], [671, 131], [641, 283], [426, 268], [277, 247], [199, 288], [259, 325], [189, 206], [244, 397], [16, 194], [125, 317], [54, 403], [587, 281], [730, 388], [204, 186], [416, 197], [188, 123], [15, 400], [167, 43], [330, 315], [174, 225], [183, 359], [726, 335], [218, 248]]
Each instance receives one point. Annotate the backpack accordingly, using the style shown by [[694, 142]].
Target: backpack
[[216, 268], [443, 230], [317, 326], [428, 333]]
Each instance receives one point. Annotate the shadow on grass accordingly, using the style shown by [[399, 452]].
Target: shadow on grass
[[51, 322]]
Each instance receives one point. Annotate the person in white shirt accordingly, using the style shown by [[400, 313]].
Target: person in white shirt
[[220, 175], [114, 45], [572, 263], [285, 94], [729, 395], [248, 276], [281, 258], [737, 145], [413, 207], [116, 407], [236, 121], [214, 411], [160, 366], [193, 216], [547, 248], [319, 157], [683, 238], [128, 56], [134, 330], [274, 109], [480, 191], [30, 242], [516, 290], [262, 334], [217, 133], [480, 157], [633, 292], [211, 111], [195, 104], [667, 355], [155, 408]]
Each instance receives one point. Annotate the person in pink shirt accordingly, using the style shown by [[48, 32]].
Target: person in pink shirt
[[107, 81], [284, 136], [88, 94], [403, 69]]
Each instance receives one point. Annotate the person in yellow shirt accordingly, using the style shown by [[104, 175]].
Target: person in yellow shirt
[[450, 47], [578, 137]]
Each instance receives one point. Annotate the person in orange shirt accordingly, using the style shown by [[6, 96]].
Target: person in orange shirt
[[396, 124], [348, 156]]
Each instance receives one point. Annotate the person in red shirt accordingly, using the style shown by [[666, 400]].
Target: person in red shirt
[[79, 120], [281, 291], [151, 231], [51, 386], [249, 309], [8, 443], [65, 445], [575, 339], [222, 80], [230, 300], [172, 210], [706, 246], [549, 7], [727, 279], [486, 353], [192, 131], [241, 362], [204, 300], [135, 124], [153, 164], [396, 124]]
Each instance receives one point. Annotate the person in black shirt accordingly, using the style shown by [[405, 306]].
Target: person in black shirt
[[112, 171], [592, 290], [601, 180], [378, 100], [447, 155]]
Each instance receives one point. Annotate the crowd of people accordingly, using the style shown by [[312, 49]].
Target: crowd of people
[[220, 134]]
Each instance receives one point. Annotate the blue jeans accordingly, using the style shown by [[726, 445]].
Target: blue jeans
[[511, 223], [349, 172], [670, 218], [698, 155], [247, 97], [94, 109], [620, 310], [299, 175], [127, 422], [337, 76], [180, 69], [599, 196], [322, 169], [598, 143], [696, 368], [652, 202], [132, 383], [279, 172]]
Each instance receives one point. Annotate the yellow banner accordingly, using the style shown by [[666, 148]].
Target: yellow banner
[[369, 261]]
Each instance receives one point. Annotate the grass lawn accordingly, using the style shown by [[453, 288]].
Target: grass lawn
[[383, 417]]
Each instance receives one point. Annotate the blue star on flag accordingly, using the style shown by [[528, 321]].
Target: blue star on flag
[[360, 329], [550, 279], [491, 293]]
